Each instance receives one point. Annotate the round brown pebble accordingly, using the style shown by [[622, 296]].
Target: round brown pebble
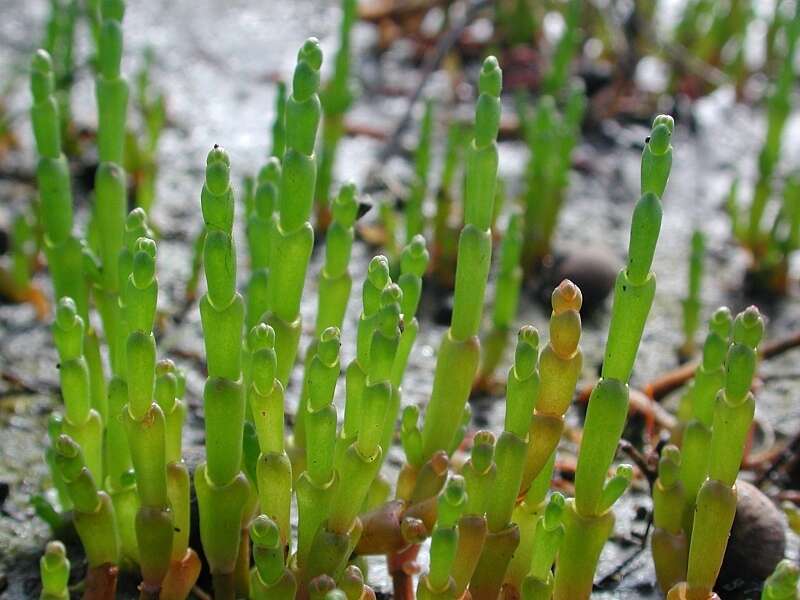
[[758, 538], [593, 269]]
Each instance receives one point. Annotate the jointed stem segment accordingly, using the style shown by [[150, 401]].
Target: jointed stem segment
[[460, 346], [589, 518]]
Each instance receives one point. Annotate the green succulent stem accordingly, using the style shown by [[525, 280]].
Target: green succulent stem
[[506, 300], [23, 251], [498, 548], [279, 124], [335, 284], [589, 518], [336, 99], [111, 91], [522, 394], [699, 401], [413, 265], [415, 203], [782, 584], [565, 49], [635, 286], [222, 489], [778, 110], [526, 516], [509, 457], [81, 422], [270, 578], [60, 43], [61, 247], [559, 367], [733, 415], [472, 533], [335, 280], [318, 483], [144, 420], [551, 136], [548, 538], [262, 227], [295, 236], [376, 281], [669, 544], [184, 567], [361, 460], [438, 582], [93, 513], [460, 348], [54, 571], [633, 292], [584, 538], [692, 303]]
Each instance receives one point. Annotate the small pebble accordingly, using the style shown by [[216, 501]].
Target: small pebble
[[758, 537]]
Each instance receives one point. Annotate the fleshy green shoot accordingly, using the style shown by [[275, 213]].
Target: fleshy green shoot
[[295, 236], [54, 571], [693, 303], [551, 137], [589, 519], [782, 584], [494, 525], [336, 98], [770, 248], [716, 500], [460, 348]]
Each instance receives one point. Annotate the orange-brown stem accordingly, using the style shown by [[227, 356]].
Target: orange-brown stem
[[181, 577], [401, 568], [101, 583]]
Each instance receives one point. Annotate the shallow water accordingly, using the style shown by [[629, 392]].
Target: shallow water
[[217, 62]]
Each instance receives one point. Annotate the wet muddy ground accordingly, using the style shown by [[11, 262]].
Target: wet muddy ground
[[217, 63]]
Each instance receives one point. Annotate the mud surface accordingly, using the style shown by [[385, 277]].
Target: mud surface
[[217, 62]]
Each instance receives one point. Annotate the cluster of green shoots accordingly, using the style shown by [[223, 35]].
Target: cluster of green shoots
[[526, 234], [336, 98], [443, 227], [494, 526], [710, 40], [59, 42], [414, 217], [141, 144], [770, 250], [694, 497], [25, 234], [446, 223], [518, 22], [30, 232], [115, 452], [292, 516], [551, 136], [712, 33], [415, 221]]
